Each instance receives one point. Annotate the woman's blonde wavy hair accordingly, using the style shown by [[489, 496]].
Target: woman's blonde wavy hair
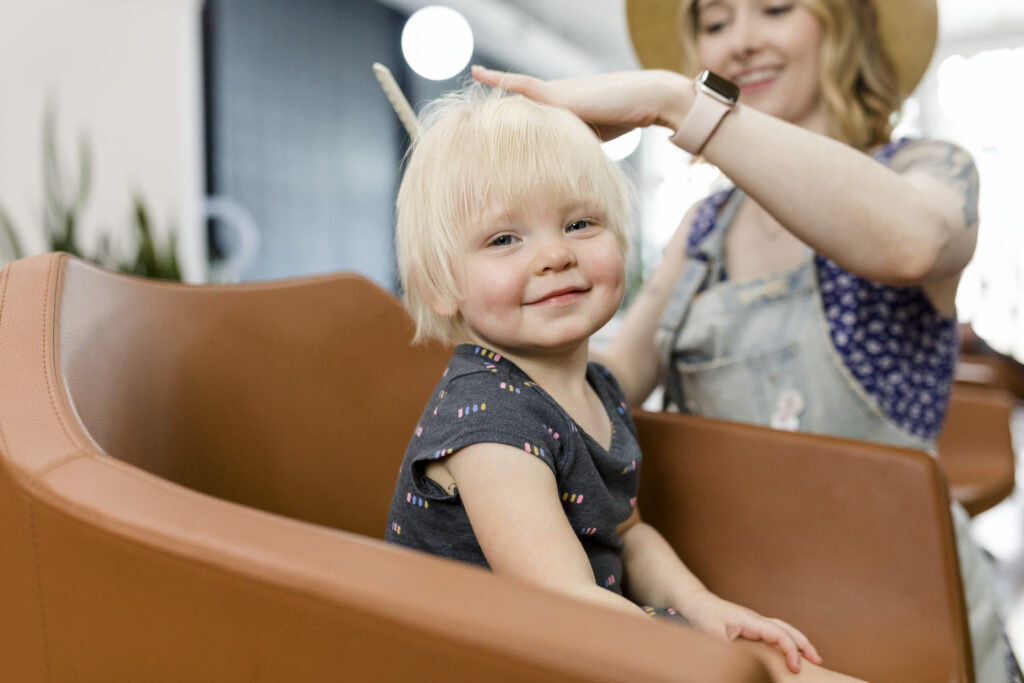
[[483, 150], [858, 84]]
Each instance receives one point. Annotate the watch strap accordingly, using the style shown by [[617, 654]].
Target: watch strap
[[700, 122]]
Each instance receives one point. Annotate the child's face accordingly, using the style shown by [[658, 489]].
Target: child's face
[[542, 278]]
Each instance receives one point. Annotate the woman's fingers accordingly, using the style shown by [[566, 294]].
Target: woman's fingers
[[589, 102], [531, 87]]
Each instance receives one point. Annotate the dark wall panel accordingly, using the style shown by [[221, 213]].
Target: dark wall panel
[[300, 134]]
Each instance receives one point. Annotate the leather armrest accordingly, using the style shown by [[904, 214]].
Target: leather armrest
[[851, 542]]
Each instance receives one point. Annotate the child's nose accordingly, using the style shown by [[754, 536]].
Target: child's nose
[[555, 255]]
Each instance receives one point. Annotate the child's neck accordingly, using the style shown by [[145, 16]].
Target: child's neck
[[563, 375]]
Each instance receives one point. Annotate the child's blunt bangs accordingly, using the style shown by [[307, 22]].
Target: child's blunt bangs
[[482, 151]]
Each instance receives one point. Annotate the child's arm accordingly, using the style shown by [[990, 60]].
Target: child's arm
[[656, 576], [512, 502]]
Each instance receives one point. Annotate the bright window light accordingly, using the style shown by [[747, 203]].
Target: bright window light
[[985, 116], [622, 146], [973, 94], [437, 42]]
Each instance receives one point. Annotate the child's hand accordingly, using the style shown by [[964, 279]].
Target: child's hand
[[711, 614]]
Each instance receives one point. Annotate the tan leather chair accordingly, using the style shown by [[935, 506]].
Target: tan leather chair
[[976, 448], [991, 370], [850, 541], [193, 481]]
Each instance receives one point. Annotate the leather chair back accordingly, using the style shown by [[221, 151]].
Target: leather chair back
[[976, 448], [295, 397], [850, 541]]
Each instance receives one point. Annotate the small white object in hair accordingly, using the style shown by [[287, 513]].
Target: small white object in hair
[[398, 102]]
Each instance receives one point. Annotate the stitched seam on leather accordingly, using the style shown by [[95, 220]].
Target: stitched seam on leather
[[245, 577], [59, 462], [3, 293], [48, 327], [40, 594], [121, 533], [195, 496], [29, 516], [3, 302]]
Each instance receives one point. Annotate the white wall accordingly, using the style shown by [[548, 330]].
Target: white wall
[[127, 74]]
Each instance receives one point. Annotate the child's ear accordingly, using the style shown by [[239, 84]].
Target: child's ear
[[445, 306]]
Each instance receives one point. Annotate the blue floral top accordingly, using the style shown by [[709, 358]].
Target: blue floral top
[[891, 339]]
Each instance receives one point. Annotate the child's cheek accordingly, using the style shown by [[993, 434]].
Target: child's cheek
[[610, 268], [504, 288], [490, 289]]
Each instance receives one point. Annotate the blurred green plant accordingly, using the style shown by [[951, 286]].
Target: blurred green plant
[[64, 202], [10, 246]]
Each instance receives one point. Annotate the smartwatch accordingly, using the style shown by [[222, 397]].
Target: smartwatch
[[716, 96]]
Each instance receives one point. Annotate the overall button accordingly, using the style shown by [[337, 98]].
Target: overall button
[[785, 422], [790, 402], [788, 407]]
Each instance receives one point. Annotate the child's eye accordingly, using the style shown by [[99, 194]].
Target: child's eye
[[581, 224], [503, 241]]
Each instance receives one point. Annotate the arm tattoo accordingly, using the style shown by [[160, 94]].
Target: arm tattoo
[[948, 163]]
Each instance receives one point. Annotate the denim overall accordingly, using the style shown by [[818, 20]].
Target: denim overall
[[761, 352]]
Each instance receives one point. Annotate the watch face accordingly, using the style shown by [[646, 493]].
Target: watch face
[[726, 89]]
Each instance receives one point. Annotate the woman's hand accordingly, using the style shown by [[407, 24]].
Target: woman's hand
[[615, 103], [713, 615]]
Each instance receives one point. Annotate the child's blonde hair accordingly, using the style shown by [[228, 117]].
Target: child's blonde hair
[[481, 149], [858, 83]]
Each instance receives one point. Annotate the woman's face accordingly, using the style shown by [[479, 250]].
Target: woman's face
[[771, 49]]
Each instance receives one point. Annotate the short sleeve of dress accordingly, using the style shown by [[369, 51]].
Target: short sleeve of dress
[[617, 396], [486, 402]]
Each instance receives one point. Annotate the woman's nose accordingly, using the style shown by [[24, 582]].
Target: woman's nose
[[747, 35]]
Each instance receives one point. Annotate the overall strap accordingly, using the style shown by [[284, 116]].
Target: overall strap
[[704, 263], [713, 247], [695, 274]]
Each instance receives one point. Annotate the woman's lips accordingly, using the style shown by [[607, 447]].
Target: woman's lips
[[754, 80]]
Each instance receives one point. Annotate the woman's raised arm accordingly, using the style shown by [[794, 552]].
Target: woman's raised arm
[[913, 223]]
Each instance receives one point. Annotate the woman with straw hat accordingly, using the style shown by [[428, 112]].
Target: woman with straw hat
[[816, 293]]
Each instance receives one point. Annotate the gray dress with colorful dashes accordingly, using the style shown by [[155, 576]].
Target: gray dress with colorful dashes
[[485, 398]]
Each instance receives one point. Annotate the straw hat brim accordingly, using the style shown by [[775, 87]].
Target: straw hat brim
[[908, 30]]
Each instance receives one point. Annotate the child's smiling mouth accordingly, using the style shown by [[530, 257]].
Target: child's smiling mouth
[[559, 297]]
